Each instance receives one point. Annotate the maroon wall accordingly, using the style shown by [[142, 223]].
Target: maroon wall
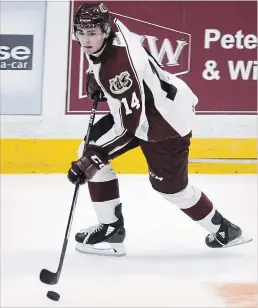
[[182, 31]]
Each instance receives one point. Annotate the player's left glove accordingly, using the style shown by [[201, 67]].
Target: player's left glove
[[93, 159]]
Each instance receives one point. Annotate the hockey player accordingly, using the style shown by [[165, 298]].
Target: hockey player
[[149, 108]]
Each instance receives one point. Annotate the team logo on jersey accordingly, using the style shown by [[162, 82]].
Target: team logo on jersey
[[120, 83]]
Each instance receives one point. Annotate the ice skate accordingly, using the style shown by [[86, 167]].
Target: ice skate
[[103, 239], [228, 235]]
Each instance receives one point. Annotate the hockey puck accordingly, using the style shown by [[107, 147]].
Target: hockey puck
[[53, 295]]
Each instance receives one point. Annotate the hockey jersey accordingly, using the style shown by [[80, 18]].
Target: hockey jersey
[[144, 100]]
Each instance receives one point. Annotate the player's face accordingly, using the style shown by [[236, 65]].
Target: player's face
[[91, 39]]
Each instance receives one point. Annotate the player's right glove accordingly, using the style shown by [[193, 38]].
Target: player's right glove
[[93, 89], [93, 159]]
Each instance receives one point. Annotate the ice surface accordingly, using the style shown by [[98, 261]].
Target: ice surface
[[167, 265]]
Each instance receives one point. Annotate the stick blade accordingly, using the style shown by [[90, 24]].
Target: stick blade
[[48, 277]]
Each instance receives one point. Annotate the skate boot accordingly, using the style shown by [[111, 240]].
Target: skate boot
[[227, 235], [111, 236]]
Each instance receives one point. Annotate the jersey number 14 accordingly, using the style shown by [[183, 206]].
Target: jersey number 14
[[135, 103]]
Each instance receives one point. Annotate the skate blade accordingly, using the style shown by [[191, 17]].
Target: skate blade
[[238, 241], [116, 250]]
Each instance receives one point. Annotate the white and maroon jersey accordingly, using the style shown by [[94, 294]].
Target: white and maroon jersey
[[144, 100]]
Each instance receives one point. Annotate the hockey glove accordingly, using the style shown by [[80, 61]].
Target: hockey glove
[[93, 159], [93, 89]]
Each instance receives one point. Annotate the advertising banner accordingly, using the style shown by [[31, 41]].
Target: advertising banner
[[16, 52], [210, 45], [21, 57]]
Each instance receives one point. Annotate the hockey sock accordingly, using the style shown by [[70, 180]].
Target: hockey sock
[[105, 198], [197, 206], [204, 213]]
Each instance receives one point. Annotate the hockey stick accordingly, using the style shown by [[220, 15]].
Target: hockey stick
[[45, 275]]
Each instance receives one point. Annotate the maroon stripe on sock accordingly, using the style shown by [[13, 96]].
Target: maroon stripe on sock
[[200, 210], [104, 191]]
